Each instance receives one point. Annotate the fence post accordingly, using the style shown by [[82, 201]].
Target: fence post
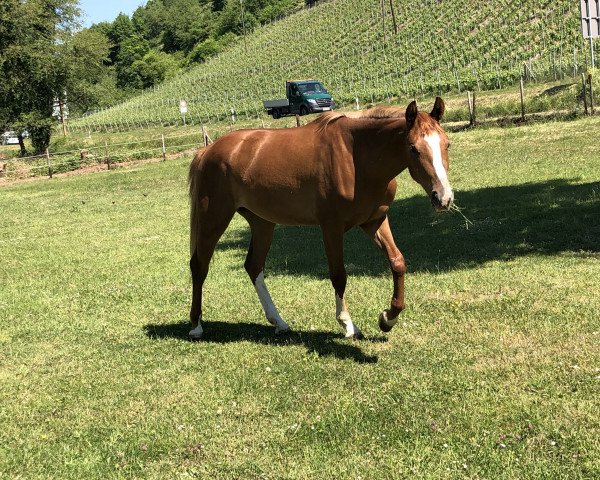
[[471, 101], [474, 109], [522, 100], [297, 120], [585, 108], [106, 154], [591, 94], [164, 150], [49, 164]]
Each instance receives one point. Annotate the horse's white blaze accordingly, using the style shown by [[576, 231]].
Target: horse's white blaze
[[343, 317], [268, 306], [434, 140]]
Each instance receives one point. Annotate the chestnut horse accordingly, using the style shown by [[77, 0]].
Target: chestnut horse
[[336, 172]]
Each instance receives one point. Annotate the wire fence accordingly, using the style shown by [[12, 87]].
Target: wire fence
[[160, 145], [103, 154]]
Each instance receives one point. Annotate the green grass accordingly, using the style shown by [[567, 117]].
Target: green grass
[[492, 372]]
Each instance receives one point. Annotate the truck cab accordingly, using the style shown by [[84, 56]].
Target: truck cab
[[308, 96], [302, 97]]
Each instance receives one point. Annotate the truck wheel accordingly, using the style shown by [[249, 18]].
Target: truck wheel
[[276, 114], [303, 110]]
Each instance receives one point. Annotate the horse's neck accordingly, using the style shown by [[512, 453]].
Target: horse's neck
[[379, 146]]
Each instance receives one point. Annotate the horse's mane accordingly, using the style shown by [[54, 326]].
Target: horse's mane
[[376, 112]]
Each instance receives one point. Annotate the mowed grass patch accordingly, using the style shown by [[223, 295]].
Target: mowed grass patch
[[492, 372]]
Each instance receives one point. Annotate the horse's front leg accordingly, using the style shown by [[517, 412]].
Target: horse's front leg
[[379, 231], [333, 238]]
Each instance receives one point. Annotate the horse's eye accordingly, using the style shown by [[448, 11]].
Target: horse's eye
[[448, 146], [413, 149]]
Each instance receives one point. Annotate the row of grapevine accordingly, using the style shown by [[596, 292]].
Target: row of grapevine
[[439, 46]]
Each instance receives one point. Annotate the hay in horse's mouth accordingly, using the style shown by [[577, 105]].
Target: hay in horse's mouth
[[455, 208]]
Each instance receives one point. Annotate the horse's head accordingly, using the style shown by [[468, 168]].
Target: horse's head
[[428, 145]]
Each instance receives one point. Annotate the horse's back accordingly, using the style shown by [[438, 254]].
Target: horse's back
[[277, 174]]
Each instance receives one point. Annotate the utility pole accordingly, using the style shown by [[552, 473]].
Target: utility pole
[[383, 20], [394, 17], [243, 26]]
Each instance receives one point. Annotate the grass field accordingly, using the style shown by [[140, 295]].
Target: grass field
[[492, 372]]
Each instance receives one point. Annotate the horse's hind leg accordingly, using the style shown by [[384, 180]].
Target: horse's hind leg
[[379, 231], [262, 235], [211, 220]]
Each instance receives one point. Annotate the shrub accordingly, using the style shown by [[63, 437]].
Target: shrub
[[39, 128]]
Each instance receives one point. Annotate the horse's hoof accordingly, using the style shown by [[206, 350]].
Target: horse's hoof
[[355, 334], [386, 325], [196, 333], [282, 330]]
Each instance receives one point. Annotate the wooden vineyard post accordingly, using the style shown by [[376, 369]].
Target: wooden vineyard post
[[106, 154], [522, 100], [49, 164], [164, 150], [472, 115], [205, 136], [470, 107], [62, 117], [474, 109], [585, 106], [591, 94]]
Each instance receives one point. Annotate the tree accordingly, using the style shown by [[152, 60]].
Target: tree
[[230, 18], [218, 5], [186, 24], [119, 32], [31, 34], [81, 64], [153, 68], [131, 50]]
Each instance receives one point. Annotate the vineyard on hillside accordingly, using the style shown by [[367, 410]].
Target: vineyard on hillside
[[440, 46]]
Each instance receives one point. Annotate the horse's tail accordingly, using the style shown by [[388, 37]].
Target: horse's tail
[[194, 183]]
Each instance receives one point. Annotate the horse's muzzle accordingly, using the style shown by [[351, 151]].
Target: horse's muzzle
[[439, 203]]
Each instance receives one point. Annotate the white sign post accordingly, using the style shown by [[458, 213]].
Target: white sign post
[[183, 109], [590, 23]]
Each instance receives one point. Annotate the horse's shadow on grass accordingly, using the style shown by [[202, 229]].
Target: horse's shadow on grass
[[321, 343], [540, 218]]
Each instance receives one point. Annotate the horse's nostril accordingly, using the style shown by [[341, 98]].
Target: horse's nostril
[[435, 199]]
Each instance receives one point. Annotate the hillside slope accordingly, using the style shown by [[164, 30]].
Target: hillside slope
[[441, 45]]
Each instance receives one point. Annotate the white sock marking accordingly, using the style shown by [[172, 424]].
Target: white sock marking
[[268, 306], [196, 333], [433, 140], [343, 317], [389, 323]]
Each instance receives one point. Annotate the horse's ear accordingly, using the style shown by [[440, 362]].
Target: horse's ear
[[438, 109], [411, 114]]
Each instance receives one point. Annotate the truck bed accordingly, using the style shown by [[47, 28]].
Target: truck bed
[[284, 102]]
